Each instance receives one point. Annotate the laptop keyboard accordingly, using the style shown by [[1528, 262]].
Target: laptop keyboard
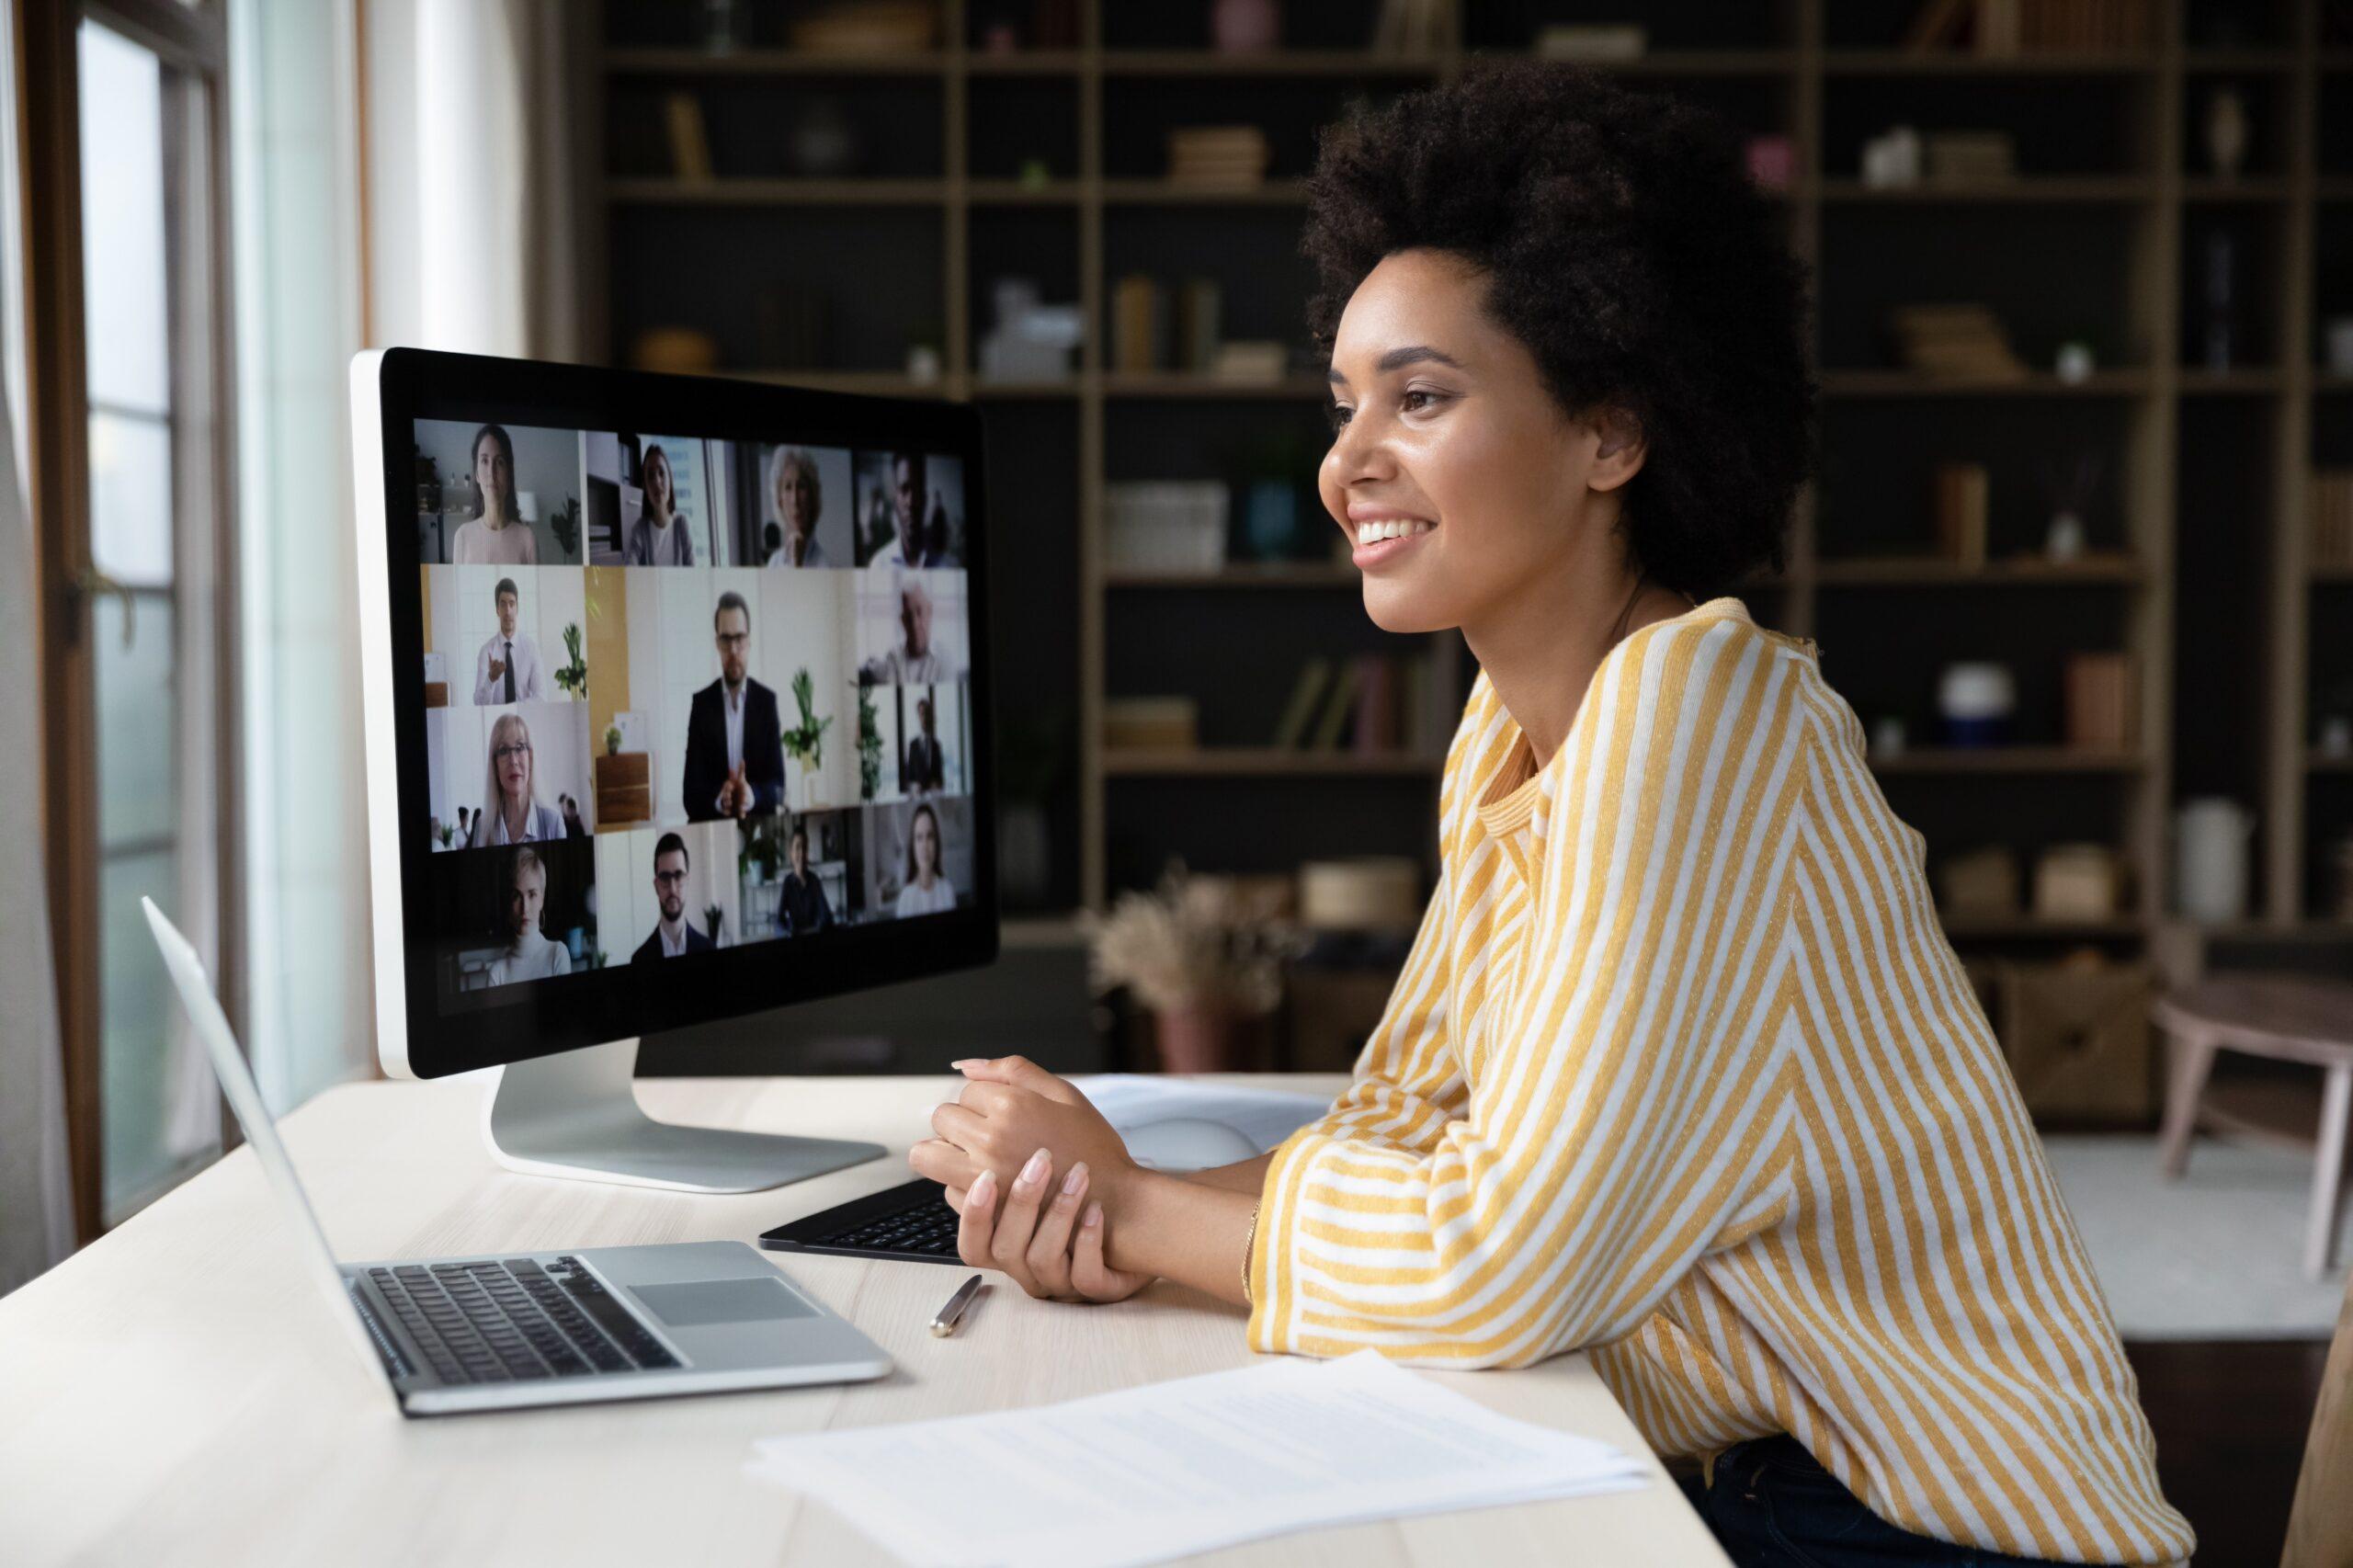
[[514, 1322]]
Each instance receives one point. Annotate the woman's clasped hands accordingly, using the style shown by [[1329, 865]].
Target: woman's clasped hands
[[1033, 1169]]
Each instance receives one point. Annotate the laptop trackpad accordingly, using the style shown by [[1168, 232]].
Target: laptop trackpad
[[705, 1302]]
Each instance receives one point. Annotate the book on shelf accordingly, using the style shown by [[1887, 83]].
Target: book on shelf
[[1217, 156], [1299, 712], [1340, 706], [1960, 513], [1370, 704], [2099, 701], [2332, 518], [2018, 27], [689, 140], [1200, 308], [1138, 323]]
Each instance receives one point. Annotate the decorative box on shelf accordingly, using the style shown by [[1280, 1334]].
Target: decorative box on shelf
[[2076, 1035], [1166, 525], [624, 788]]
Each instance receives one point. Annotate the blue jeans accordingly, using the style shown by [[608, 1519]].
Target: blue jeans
[[1773, 1505]]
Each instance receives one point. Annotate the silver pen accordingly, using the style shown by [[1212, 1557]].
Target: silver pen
[[945, 1324]]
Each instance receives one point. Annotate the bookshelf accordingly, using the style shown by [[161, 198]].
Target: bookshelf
[[2198, 562]]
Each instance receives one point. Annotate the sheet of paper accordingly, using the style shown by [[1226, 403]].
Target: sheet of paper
[[1149, 1473], [1265, 1117]]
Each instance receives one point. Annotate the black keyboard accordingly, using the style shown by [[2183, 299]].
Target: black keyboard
[[512, 1321], [911, 1222]]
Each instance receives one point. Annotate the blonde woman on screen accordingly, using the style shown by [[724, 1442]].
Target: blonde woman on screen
[[928, 891], [798, 498], [531, 954], [660, 537], [511, 812], [497, 536]]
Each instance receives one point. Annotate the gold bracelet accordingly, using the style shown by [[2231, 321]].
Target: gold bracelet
[[1248, 1242]]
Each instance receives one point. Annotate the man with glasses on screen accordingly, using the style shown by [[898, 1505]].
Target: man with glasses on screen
[[674, 935], [735, 741]]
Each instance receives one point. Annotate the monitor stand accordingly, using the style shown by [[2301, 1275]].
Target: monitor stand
[[576, 1114]]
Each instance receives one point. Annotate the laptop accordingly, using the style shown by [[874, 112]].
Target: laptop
[[512, 1330]]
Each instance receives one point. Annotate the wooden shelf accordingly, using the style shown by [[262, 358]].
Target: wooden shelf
[[1998, 927], [1908, 571], [2038, 62], [1268, 62], [776, 192], [1860, 383], [2074, 188], [2008, 759], [1283, 575], [1265, 762], [2152, 204], [771, 62]]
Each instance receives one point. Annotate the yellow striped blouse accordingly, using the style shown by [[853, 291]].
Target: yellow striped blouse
[[1682, 1070]]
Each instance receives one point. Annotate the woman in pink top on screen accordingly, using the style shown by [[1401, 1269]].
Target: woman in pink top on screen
[[497, 536]]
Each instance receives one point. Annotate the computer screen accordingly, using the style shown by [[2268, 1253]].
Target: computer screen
[[683, 694]]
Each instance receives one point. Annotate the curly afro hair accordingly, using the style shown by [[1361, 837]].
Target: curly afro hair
[[1622, 241]]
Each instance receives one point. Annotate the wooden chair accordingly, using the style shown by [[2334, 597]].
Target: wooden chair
[[2320, 1523], [2286, 1017]]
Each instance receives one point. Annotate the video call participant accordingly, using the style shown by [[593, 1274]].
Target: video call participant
[[803, 903], [497, 536], [798, 498], [924, 767], [674, 935], [735, 741], [573, 826], [912, 660], [508, 669], [659, 537], [922, 540], [511, 812], [928, 891], [531, 954]]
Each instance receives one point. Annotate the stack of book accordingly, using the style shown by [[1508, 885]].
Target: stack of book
[[1963, 342], [1971, 157], [2333, 517], [1144, 337], [1217, 157], [1372, 704]]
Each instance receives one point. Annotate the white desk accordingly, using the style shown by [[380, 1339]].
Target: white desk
[[178, 1392]]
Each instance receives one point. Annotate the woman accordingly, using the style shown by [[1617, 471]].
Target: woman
[[497, 536], [928, 891], [1681, 1070], [798, 498], [529, 954], [660, 537], [511, 812]]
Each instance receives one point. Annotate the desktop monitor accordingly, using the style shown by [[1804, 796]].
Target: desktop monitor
[[676, 708]]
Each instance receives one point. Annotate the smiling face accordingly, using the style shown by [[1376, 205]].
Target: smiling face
[[1447, 443], [510, 753]]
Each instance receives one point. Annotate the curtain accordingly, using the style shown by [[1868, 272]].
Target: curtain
[[36, 1193]]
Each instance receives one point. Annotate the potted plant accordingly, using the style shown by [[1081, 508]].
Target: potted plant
[[805, 742], [612, 739], [869, 742], [713, 917], [1199, 957], [573, 676], [566, 523]]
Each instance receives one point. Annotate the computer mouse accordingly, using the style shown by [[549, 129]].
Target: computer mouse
[[1187, 1143]]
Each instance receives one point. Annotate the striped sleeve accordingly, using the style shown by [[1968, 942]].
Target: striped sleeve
[[1628, 1113]]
